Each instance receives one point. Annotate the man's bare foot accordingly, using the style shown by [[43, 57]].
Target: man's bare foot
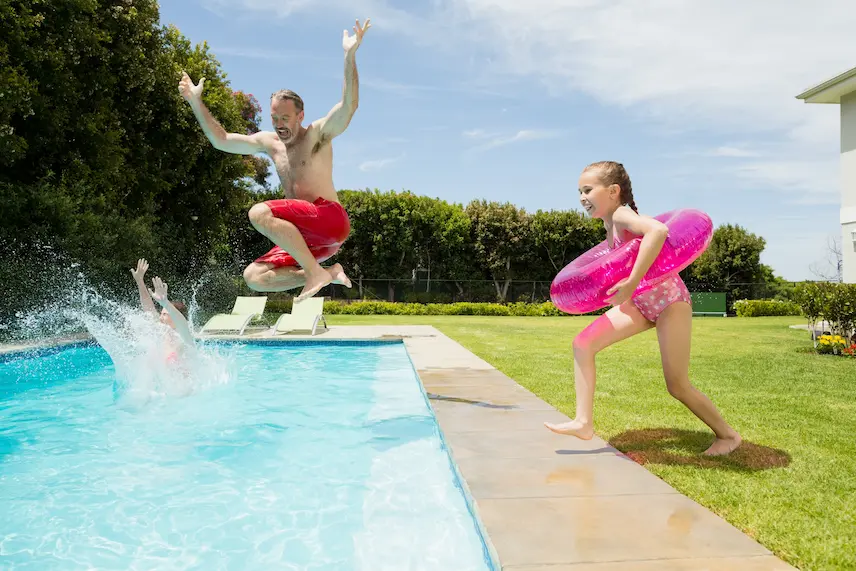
[[314, 283], [572, 428], [723, 446], [338, 274]]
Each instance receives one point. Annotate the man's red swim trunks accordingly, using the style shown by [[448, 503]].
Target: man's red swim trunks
[[324, 225]]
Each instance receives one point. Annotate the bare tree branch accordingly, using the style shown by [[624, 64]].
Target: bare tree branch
[[831, 269]]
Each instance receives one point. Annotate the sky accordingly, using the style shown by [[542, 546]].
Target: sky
[[508, 100]]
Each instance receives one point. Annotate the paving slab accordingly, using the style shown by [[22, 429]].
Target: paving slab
[[755, 563], [625, 527]]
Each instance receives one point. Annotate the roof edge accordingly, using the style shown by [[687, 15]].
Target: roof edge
[[815, 93]]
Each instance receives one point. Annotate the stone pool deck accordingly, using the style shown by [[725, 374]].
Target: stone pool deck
[[549, 502]]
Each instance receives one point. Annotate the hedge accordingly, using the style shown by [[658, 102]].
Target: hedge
[[765, 308]]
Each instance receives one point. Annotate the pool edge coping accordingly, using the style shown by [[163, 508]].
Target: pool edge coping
[[489, 549]]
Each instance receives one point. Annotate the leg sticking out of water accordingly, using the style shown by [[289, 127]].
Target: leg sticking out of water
[[618, 323]]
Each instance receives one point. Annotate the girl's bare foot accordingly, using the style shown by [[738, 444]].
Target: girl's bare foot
[[572, 428], [723, 446], [338, 274]]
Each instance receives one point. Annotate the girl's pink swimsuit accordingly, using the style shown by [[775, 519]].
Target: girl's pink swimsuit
[[652, 303]]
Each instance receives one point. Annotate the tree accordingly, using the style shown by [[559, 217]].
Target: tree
[[732, 263], [559, 236], [101, 158], [500, 234], [381, 244], [832, 267], [258, 165], [441, 236]]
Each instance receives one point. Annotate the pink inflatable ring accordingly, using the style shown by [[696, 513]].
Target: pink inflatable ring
[[581, 286]]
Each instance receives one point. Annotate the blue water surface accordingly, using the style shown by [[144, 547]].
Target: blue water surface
[[307, 458]]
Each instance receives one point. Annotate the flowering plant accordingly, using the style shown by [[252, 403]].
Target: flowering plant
[[835, 344]]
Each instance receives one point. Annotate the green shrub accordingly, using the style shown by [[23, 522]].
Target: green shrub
[[835, 303], [765, 307]]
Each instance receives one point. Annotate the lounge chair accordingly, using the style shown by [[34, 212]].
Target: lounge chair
[[244, 311], [305, 315]]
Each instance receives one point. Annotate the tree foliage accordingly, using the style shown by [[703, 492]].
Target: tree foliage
[[732, 263], [101, 157]]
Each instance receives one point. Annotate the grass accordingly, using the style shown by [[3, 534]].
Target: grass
[[792, 486]]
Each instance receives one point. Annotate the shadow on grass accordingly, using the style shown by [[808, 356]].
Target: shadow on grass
[[675, 447]]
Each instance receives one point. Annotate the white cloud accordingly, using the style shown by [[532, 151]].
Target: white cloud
[[279, 8], [727, 66], [734, 152], [262, 54], [494, 140], [378, 164], [412, 89], [809, 181], [384, 17], [477, 134]]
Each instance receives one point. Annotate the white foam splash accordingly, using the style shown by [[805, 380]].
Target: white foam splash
[[137, 343]]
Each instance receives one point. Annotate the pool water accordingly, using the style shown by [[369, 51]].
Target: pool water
[[309, 457]]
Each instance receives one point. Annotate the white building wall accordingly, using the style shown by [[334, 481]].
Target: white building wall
[[848, 186]]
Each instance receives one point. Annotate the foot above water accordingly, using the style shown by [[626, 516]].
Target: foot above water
[[338, 274], [314, 284]]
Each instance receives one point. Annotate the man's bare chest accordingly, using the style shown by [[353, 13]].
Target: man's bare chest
[[292, 160]]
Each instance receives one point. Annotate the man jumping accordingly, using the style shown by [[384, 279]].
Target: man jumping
[[309, 225]]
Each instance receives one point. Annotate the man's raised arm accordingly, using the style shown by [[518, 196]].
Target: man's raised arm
[[339, 117], [223, 141]]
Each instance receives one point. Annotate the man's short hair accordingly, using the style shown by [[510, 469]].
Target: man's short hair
[[288, 94]]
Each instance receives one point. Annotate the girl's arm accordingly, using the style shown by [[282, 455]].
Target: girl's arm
[[181, 325], [139, 278], [654, 234]]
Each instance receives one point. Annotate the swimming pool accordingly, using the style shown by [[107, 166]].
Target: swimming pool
[[313, 456]]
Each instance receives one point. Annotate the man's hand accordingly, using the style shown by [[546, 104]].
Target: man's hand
[[160, 293], [189, 91], [140, 272], [351, 43]]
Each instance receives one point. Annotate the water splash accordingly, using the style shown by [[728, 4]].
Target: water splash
[[150, 360]]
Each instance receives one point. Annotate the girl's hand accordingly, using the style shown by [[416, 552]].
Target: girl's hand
[[623, 291], [160, 292], [140, 272]]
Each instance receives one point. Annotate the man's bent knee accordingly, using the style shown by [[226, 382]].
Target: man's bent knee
[[254, 276]]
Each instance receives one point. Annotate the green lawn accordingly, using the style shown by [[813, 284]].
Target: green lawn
[[792, 486]]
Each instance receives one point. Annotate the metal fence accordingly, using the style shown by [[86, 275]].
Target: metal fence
[[447, 291]]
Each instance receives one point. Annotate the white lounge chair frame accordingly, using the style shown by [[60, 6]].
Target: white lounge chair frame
[[246, 309], [314, 306]]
